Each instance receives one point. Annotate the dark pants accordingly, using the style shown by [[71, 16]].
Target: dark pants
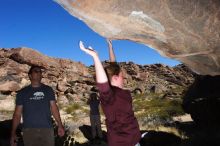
[[96, 125], [38, 137]]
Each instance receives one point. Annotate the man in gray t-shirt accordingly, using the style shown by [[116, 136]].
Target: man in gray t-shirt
[[36, 103]]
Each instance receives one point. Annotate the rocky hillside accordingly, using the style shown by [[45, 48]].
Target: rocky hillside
[[73, 82], [15, 63]]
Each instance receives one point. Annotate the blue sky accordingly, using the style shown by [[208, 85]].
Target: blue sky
[[45, 26]]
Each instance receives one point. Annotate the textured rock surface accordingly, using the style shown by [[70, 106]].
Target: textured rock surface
[[73, 81], [186, 30], [204, 92], [15, 63], [9, 86]]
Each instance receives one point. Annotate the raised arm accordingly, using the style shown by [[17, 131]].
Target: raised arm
[[101, 76], [111, 51]]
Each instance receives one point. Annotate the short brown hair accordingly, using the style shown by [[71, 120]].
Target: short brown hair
[[112, 69]]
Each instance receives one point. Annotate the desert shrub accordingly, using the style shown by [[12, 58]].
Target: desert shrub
[[73, 107], [151, 109]]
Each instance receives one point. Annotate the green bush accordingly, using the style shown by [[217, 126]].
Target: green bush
[[71, 108], [153, 106]]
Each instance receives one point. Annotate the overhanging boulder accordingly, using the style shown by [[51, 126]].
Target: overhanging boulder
[[185, 30]]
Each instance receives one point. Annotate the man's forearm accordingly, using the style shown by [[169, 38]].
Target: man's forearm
[[56, 114], [15, 123], [16, 119]]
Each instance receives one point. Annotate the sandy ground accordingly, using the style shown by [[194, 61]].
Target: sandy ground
[[183, 118]]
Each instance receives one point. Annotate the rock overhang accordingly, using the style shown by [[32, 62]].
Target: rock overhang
[[187, 31]]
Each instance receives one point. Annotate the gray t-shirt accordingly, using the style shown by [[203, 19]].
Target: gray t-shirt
[[36, 106]]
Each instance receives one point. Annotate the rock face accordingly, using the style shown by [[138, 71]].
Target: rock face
[[186, 30], [202, 101], [14, 66], [73, 82]]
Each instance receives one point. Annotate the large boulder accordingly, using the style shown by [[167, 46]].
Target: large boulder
[[33, 57], [9, 86], [202, 101], [185, 30]]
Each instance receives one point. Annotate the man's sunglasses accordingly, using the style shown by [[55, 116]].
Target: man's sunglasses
[[37, 71]]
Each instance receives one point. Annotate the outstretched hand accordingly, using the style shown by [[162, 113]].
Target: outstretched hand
[[88, 50], [101, 76], [109, 41]]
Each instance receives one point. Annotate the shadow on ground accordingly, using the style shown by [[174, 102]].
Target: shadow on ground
[[195, 136]]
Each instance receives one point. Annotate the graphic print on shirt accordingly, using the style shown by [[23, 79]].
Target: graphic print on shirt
[[37, 96]]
